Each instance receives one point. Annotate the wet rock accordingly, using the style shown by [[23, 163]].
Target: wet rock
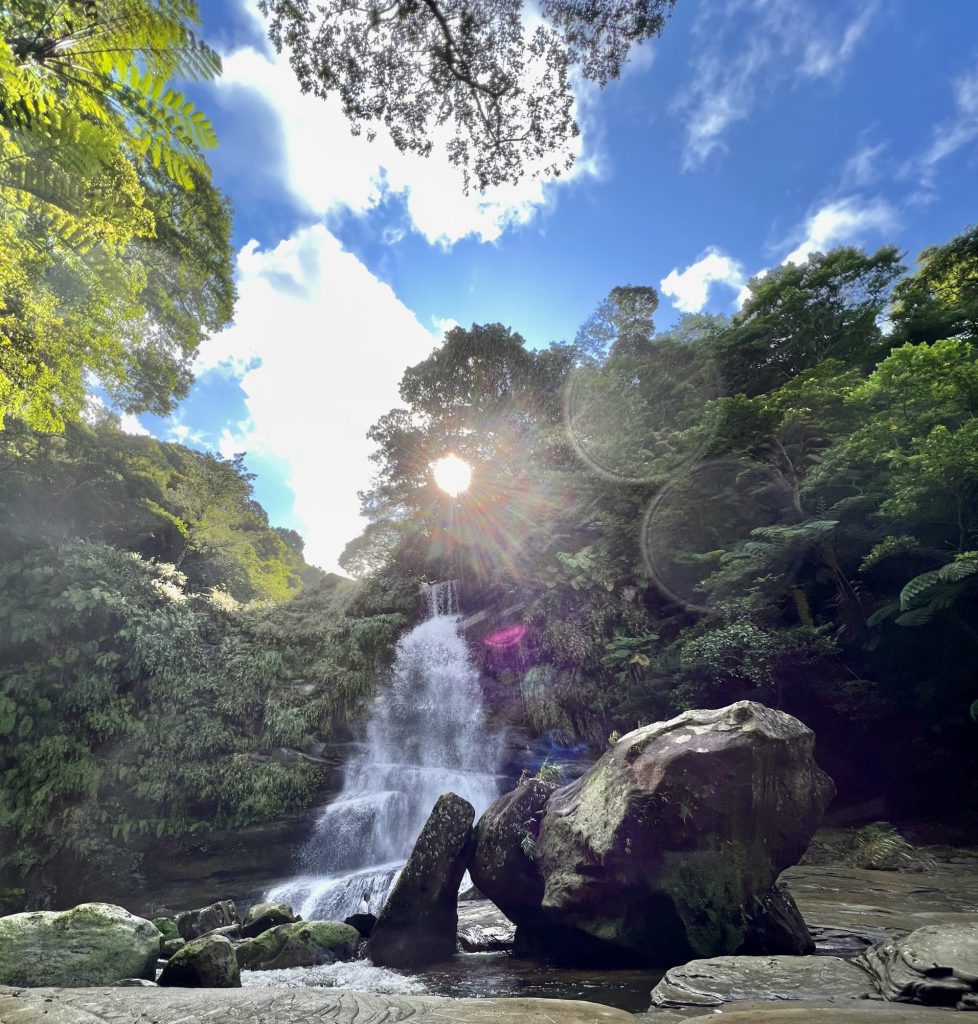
[[484, 928], [419, 922], [725, 979], [778, 927], [208, 962], [666, 847], [263, 916], [503, 861], [936, 965], [302, 944], [167, 927], [91, 944], [286, 1006], [364, 923], [229, 931], [192, 924], [135, 983]]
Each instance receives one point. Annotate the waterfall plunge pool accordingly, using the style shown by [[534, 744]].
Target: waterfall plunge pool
[[475, 975]]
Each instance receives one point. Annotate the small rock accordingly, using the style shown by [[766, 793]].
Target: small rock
[[484, 928], [263, 916], [207, 962], [134, 983], [364, 923], [171, 946]]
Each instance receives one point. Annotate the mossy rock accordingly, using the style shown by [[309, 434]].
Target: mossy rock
[[302, 944], [263, 916], [91, 944], [167, 927], [208, 962]]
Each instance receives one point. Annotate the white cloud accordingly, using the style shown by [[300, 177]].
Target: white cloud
[[443, 324], [131, 425], [749, 49], [690, 289], [842, 221], [861, 168], [825, 54], [326, 168], [320, 345], [958, 130]]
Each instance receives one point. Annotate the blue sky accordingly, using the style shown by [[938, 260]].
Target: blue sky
[[751, 132]]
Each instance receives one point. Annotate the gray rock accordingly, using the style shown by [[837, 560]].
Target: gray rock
[[302, 944], [419, 922], [171, 946], [229, 931], [778, 927], [135, 983], [936, 965], [484, 928], [285, 1006], [665, 849], [726, 979], [263, 916], [207, 962], [502, 863], [364, 923], [91, 944]]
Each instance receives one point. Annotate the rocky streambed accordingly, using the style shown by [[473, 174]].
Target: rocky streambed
[[677, 848]]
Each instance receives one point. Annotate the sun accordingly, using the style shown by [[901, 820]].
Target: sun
[[452, 474]]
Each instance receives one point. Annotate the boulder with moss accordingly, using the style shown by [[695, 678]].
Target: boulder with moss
[[302, 944], [419, 922], [668, 849], [263, 916], [91, 944], [208, 962]]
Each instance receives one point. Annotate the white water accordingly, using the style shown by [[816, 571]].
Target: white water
[[426, 736]]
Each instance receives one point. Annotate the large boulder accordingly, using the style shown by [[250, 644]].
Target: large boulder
[[92, 944], [936, 965], [263, 916], [302, 944], [503, 862], [669, 847], [419, 921], [208, 962]]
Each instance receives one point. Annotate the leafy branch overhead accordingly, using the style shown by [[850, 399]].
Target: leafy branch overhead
[[491, 81]]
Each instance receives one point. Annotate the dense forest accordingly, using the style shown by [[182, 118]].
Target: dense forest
[[781, 504]]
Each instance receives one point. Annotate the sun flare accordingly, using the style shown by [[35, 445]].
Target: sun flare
[[452, 474]]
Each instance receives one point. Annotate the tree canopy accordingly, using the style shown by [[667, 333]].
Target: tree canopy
[[490, 81], [114, 245]]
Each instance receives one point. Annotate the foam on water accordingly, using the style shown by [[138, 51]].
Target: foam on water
[[358, 976], [427, 736]]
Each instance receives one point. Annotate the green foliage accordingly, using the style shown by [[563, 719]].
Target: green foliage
[[131, 708], [114, 245], [880, 847]]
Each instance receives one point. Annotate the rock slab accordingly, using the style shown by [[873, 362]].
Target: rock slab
[[419, 921], [666, 850], [285, 1006], [727, 979], [91, 944], [484, 928], [936, 965]]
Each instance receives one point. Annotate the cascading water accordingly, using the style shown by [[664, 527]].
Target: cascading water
[[426, 736]]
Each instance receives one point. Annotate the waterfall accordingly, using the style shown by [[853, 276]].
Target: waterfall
[[426, 736]]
